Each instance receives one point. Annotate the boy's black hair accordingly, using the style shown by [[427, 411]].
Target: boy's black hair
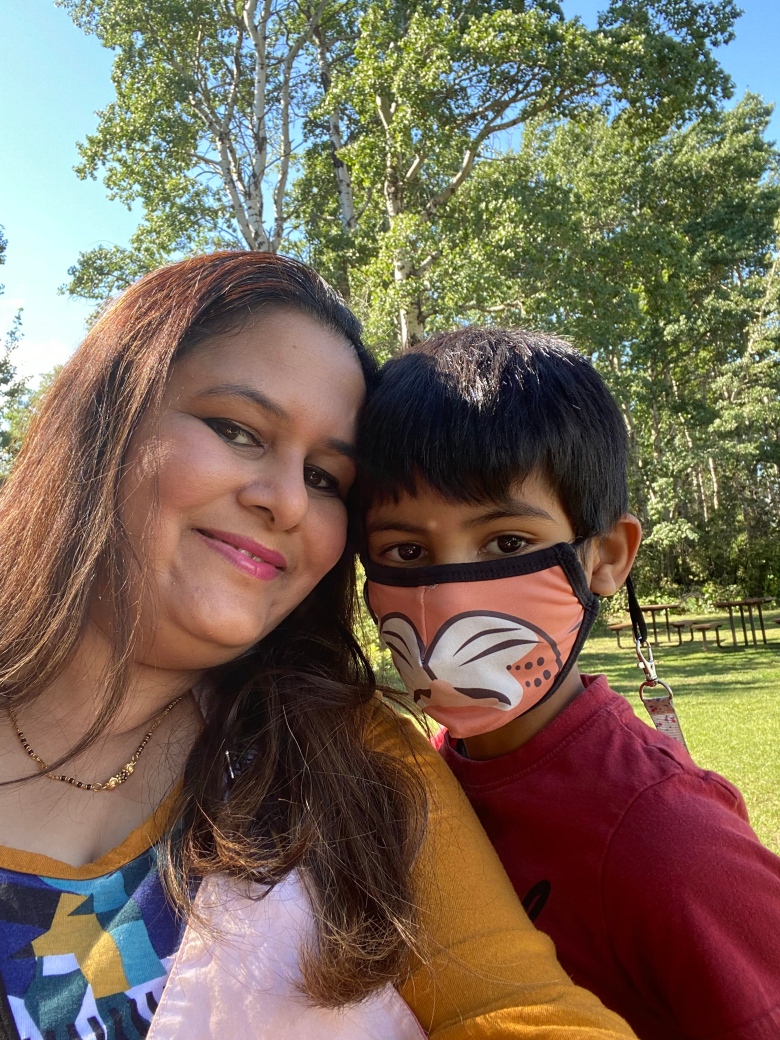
[[475, 411]]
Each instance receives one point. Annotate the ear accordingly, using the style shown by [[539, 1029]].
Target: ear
[[613, 555]]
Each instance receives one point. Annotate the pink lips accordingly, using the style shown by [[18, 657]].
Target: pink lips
[[248, 556]]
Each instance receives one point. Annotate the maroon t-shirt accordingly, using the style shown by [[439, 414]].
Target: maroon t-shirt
[[641, 867]]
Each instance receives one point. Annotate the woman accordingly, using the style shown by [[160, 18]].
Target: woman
[[194, 722]]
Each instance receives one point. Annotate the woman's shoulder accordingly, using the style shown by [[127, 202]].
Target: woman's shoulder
[[392, 727], [483, 970]]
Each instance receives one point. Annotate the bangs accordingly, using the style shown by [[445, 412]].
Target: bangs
[[419, 430]]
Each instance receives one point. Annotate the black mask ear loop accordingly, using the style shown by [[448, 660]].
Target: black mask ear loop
[[660, 705]]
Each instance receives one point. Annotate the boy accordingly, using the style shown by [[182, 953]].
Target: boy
[[494, 483]]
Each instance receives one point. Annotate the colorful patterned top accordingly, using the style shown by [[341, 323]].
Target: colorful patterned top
[[85, 952]]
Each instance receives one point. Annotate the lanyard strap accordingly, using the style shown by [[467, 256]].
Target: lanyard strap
[[660, 703]]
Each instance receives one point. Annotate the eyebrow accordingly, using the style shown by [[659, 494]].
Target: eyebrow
[[257, 397], [517, 511], [512, 511], [394, 525], [248, 393], [341, 447]]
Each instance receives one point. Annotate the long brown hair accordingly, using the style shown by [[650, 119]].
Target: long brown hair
[[310, 793]]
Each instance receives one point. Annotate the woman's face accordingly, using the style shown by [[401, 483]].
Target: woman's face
[[237, 505]]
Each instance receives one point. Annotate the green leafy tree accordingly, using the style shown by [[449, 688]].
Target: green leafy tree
[[658, 257], [689, 341], [347, 132], [18, 415], [201, 131], [431, 95]]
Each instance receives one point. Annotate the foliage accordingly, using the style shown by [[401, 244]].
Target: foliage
[[690, 344], [429, 97], [347, 131], [18, 414], [12, 390]]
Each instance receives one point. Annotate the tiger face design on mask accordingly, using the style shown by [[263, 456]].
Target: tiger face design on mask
[[469, 654], [479, 644]]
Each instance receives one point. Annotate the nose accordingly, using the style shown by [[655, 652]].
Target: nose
[[280, 493]]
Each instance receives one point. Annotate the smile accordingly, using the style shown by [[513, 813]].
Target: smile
[[248, 556]]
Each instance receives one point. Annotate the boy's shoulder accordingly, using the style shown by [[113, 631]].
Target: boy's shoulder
[[598, 750], [635, 756], [641, 866]]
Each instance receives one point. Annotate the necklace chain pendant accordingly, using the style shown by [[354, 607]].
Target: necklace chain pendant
[[114, 781]]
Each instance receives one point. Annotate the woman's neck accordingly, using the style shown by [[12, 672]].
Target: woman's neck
[[72, 703], [58, 819]]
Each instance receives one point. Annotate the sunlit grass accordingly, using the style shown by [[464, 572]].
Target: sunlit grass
[[728, 703]]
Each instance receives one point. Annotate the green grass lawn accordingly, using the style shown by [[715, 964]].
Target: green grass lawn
[[728, 703]]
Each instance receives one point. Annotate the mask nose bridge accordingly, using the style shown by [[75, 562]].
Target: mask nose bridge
[[424, 615]]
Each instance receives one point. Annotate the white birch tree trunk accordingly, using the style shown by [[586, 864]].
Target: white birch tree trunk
[[340, 169]]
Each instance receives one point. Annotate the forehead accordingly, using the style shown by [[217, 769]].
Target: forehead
[[302, 366]]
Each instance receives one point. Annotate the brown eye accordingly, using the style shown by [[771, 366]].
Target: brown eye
[[232, 432], [506, 544], [320, 480], [509, 543], [407, 552]]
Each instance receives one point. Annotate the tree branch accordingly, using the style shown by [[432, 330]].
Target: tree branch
[[426, 264], [286, 150], [414, 169], [258, 33]]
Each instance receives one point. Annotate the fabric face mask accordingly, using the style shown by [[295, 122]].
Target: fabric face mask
[[479, 644]]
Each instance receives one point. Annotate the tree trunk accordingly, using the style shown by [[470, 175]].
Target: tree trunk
[[411, 319], [343, 178], [412, 325]]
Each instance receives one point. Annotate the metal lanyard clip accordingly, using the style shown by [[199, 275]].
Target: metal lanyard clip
[[645, 661], [660, 704]]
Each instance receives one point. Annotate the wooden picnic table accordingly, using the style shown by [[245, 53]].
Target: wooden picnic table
[[657, 608], [742, 605], [618, 627]]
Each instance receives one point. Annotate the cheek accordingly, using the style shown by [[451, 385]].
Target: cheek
[[326, 536], [191, 474], [166, 480]]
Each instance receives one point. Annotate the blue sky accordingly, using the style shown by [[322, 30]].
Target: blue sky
[[53, 79]]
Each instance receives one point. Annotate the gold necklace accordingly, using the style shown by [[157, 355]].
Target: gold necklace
[[113, 781]]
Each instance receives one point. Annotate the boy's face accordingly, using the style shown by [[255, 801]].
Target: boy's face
[[426, 529]]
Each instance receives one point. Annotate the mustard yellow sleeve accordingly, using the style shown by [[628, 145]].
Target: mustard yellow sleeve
[[487, 972]]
